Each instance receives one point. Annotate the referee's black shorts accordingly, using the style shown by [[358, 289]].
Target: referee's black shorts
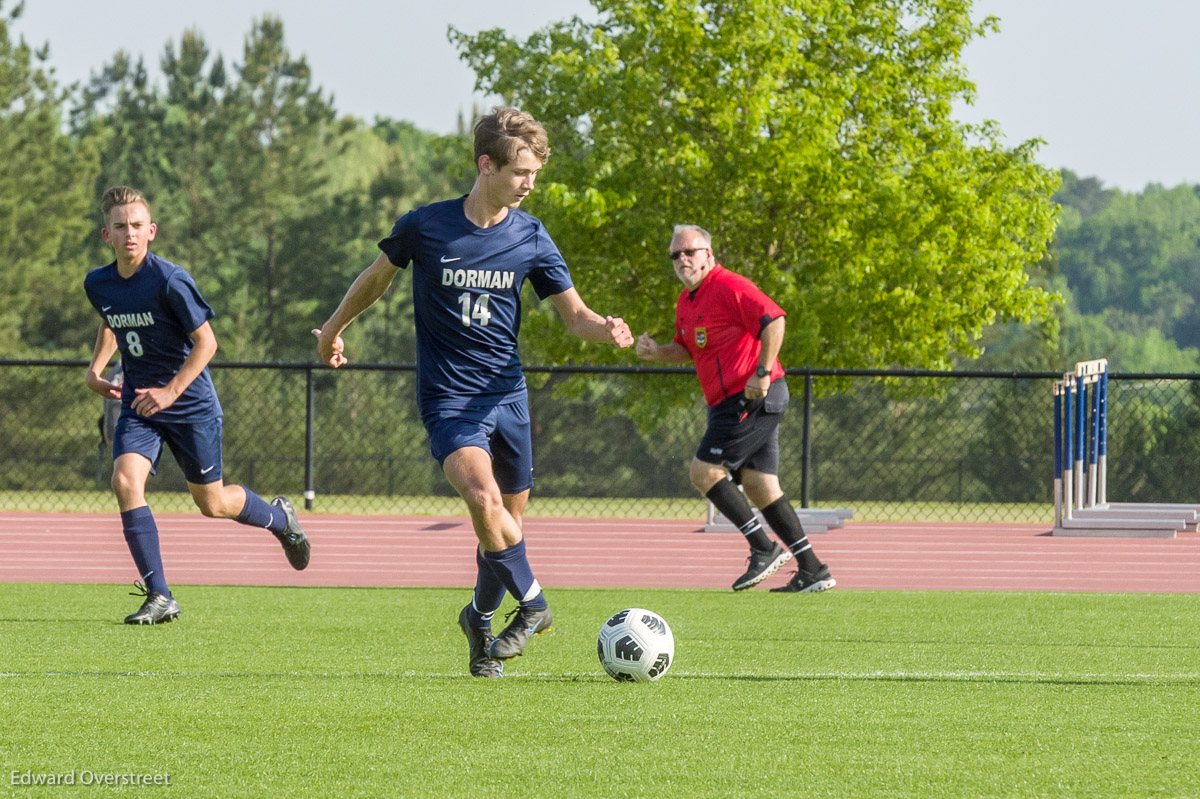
[[744, 433]]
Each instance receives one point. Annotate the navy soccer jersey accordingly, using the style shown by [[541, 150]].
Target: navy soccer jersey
[[467, 299], [153, 313]]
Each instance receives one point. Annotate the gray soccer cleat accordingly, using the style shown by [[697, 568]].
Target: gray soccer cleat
[[295, 542], [528, 622], [479, 639], [157, 609]]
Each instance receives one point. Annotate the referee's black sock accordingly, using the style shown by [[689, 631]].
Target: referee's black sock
[[732, 502], [783, 520]]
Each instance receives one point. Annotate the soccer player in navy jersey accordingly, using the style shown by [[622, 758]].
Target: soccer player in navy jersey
[[732, 331], [470, 257], [152, 312]]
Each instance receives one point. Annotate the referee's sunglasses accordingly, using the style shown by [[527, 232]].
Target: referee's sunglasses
[[677, 254]]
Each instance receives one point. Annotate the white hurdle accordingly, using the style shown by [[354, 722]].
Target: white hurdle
[[813, 520], [1080, 466], [1187, 510]]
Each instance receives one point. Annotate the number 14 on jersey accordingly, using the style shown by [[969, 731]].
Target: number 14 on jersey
[[479, 312]]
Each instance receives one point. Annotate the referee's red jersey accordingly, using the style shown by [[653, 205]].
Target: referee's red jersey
[[719, 324]]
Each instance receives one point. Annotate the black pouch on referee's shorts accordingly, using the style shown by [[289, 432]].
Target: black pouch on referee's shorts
[[777, 397]]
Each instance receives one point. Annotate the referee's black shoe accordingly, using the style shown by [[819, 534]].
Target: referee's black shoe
[[808, 582], [295, 542], [761, 566]]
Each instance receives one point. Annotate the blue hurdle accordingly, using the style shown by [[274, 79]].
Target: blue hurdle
[[1101, 497], [1081, 464]]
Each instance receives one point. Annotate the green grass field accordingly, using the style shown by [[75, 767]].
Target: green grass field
[[269, 692]]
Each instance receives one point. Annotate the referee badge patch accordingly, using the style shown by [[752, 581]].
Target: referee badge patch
[[701, 337]]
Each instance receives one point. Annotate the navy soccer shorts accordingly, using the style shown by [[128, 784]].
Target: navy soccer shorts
[[195, 445], [500, 430], [744, 433]]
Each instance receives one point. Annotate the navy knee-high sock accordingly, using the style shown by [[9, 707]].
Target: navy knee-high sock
[[141, 534], [489, 593], [257, 512], [513, 570]]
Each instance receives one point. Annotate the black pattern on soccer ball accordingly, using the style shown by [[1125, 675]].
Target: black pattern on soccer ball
[[654, 624], [636, 645], [628, 649], [617, 618]]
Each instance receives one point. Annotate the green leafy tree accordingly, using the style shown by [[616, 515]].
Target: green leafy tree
[[279, 126], [1082, 197], [1137, 255], [1126, 266], [44, 193], [121, 111], [399, 168], [820, 151], [234, 162]]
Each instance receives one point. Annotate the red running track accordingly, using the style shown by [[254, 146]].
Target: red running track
[[439, 551]]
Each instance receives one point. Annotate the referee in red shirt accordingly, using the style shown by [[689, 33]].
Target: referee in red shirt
[[732, 331]]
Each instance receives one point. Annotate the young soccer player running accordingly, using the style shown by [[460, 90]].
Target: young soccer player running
[[470, 257], [152, 312], [732, 331]]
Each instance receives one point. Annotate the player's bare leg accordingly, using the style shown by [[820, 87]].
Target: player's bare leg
[[219, 501], [130, 472], [515, 505], [475, 619], [469, 470]]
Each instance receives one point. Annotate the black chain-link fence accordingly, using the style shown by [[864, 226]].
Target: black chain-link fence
[[956, 446]]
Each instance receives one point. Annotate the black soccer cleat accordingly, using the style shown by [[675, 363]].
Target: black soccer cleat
[[528, 622], [157, 609], [479, 639], [295, 542], [808, 582], [761, 566]]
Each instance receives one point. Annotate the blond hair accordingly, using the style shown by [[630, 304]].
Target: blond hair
[[502, 134], [120, 195]]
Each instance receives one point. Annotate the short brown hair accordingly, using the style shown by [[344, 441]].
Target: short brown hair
[[505, 132], [120, 195]]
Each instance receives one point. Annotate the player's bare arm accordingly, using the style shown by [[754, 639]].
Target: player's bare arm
[[650, 350], [771, 337], [364, 292], [106, 345], [149, 401], [584, 323]]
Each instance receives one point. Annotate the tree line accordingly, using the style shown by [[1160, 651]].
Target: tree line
[[820, 151]]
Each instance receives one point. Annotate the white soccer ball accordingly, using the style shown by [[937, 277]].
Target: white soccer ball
[[636, 645]]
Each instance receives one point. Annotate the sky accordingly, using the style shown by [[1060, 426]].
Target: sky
[[1108, 85]]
